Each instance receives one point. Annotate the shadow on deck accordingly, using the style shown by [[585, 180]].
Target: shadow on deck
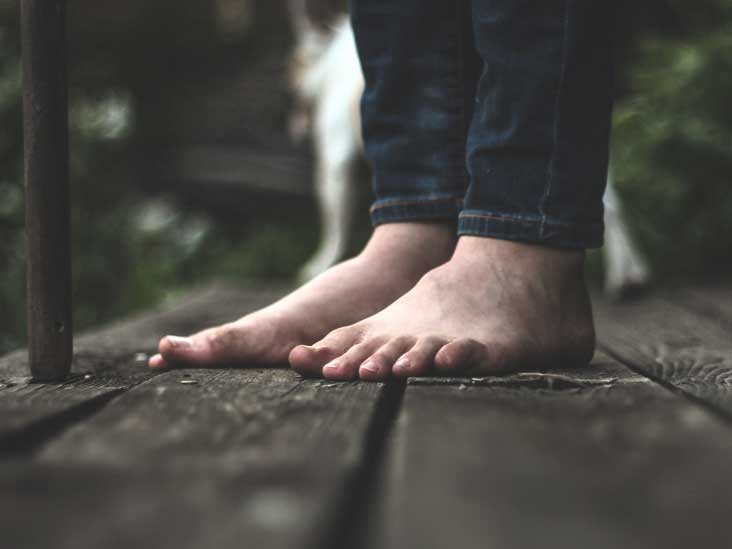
[[633, 452]]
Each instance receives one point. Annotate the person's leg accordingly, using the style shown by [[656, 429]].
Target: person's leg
[[420, 72], [513, 295], [415, 115], [538, 143]]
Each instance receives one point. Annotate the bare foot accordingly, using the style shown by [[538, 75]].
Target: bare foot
[[495, 307], [395, 258]]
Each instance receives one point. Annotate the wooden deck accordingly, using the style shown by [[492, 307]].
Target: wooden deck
[[634, 452]]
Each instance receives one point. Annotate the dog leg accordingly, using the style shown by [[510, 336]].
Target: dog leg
[[626, 270], [335, 84], [335, 195]]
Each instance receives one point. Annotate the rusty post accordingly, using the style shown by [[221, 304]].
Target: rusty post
[[45, 114]]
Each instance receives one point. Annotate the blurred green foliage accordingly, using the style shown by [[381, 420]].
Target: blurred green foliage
[[672, 143], [133, 248]]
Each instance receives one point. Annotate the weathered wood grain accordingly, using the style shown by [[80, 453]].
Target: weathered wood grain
[[602, 371], [33, 411], [671, 343], [222, 419], [106, 361], [259, 458], [621, 464]]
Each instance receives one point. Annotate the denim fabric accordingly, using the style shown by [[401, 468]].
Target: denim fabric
[[417, 104], [496, 112]]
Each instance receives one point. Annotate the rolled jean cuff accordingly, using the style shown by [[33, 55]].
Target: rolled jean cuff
[[533, 229], [416, 208]]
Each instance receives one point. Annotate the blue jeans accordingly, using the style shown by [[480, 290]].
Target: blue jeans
[[491, 113]]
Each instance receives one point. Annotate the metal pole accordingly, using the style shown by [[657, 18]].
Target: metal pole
[[45, 114]]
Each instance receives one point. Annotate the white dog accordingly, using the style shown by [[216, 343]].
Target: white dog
[[325, 76]]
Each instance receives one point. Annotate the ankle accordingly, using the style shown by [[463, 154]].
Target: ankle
[[418, 245], [519, 255]]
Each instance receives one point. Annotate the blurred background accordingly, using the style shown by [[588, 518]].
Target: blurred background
[[182, 170]]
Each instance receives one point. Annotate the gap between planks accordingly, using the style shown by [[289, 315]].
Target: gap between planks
[[617, 462], [78, 451], [260, 455]]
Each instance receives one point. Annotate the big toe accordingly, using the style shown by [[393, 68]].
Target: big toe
[[157, 362], [205, 348]]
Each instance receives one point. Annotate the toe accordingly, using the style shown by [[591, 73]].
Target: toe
[[157, 362], [228, 343], [378, 366], [465, 354], [346, 366], [309, 360], [419, 359], [195, 349]]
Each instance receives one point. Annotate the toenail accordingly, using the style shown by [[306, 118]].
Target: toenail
[[369, 367], [402, 363], [331, 366], [179, 342]]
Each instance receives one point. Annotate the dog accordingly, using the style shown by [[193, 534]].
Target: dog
[[326, 80]]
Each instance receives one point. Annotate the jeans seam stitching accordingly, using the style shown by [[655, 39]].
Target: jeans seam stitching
[[542, 221], [501, 218], [557, 119]]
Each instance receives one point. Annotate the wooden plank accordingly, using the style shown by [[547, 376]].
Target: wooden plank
[[31, 412], [118, 347], [711, 300], [106, 361], [673, 344], [492, 465], [259, 457], [207, 418], [89, 508], [602, 371], [46, 147]]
